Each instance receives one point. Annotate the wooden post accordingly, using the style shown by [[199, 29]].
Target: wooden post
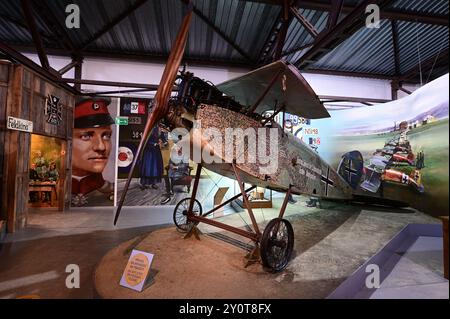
[[5, 75], [194, 190], [246, 201], [283, 32], [32, 26], [78, 74], [285, 202], [13, 107], [394, 90]]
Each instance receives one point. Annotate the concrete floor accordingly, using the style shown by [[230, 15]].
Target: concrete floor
[[330, 244], [417, 273], [33, 262]]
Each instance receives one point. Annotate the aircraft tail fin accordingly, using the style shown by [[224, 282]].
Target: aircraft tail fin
[[351, 168]]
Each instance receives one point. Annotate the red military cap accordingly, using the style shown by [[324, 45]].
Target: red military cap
[[92, 112]]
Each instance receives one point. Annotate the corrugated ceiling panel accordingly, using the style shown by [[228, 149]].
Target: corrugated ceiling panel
[[91, 19], [423, 6], [122, 36], [418, 42], [247, 24], [298, 36], [368, 50], [152, 28]]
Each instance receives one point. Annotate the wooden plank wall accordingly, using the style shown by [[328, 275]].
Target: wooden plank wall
[[5, 69], [27, 93]]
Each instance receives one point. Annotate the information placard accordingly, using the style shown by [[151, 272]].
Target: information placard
[[136, 273]]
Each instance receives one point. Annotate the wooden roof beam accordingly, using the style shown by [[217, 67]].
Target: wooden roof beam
[[53, 24], [51, 74], [389, 14], [152, 87], [395, 47], [283, 32], [304, 22], [335, 12], [32, 27]]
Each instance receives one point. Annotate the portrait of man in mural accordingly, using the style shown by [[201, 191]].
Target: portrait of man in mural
[[91, 149]]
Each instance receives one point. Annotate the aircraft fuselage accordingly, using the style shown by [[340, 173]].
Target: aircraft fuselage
[[277, 161]]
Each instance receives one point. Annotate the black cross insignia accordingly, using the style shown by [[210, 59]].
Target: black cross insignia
[[327, 181], [53, 110], [350, 170], [405, 179]]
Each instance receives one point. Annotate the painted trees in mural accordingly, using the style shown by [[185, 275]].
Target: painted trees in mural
[[92, 147]]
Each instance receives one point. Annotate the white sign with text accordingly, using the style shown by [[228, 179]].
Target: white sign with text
[[17, 124]]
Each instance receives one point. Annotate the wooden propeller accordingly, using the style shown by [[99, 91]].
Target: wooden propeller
[[161, 102]]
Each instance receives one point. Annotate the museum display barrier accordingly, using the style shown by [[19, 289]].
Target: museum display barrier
[[419, 247], [445, 238]]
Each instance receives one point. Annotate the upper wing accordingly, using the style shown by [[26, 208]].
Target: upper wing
[[290, 89]]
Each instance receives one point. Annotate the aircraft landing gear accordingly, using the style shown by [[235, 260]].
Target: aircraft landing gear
[[180, 214], [273, 247], [277, 243]]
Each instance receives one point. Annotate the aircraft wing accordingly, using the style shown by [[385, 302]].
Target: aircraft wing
[[290, 89]]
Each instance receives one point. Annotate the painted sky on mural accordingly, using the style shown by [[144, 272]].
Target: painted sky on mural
[[431, 99]]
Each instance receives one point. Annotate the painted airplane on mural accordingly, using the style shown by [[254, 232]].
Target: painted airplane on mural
[[242, 103], [388, 165]]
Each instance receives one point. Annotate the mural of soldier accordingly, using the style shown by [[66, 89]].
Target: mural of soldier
[[91, 149]]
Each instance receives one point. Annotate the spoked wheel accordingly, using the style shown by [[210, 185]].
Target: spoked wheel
[[180, 214], [277, 243]]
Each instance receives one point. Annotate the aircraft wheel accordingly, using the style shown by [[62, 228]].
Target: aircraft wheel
[[277, 243], [180, 214]]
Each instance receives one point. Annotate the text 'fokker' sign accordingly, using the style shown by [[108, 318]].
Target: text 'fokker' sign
[[14, 123]]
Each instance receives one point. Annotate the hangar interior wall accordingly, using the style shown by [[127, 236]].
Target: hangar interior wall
[[150, 73]]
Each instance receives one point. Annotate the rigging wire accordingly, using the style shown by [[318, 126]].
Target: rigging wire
[[435, 60], [216, 184], [418, 53]]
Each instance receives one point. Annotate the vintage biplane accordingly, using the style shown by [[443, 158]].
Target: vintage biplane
[[241, 103]]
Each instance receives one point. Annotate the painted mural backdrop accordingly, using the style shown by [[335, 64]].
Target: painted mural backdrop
[[149, 185], [404, 145], [93, 152], [164, 175], [396, 151]]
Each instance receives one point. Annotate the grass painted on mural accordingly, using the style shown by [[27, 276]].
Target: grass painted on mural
[[432, 139]]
